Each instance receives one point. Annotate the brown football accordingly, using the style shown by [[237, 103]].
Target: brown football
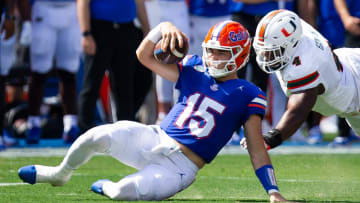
[[171, 57]]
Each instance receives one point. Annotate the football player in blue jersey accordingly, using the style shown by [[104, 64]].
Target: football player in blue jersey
[[213, 103]]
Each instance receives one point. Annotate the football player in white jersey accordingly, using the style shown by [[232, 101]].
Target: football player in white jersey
[[314, 76]]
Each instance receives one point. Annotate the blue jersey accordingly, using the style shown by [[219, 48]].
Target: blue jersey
[[55, 1], [32, 1], [208, 112], [354, 7], [210, 8], [119, 11], [259, 8], [330, 24]]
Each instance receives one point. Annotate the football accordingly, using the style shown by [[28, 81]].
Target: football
[[171, 57]]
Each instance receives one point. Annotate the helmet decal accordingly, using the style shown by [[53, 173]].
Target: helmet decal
[[266, 23], [286, 33], [217, 29], [238, 36]]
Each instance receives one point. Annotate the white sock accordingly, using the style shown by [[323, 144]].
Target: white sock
[[33, 121], [69, 121], [56, 176]]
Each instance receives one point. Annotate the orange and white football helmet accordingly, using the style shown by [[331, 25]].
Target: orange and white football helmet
[[277, 36], [228, 36]]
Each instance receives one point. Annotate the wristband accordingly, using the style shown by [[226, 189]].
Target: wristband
[[155, 34], [267, 178], [273, 138]]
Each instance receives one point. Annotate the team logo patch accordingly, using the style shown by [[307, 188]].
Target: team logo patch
[[214, 87]]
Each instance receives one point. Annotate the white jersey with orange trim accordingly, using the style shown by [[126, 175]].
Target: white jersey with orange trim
[[314, 63]]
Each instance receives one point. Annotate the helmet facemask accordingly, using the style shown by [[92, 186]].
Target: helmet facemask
[[271, 59], [229, 65]]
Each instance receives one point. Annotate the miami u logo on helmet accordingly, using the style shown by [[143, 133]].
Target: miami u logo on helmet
[[238, 36], [285, 32]]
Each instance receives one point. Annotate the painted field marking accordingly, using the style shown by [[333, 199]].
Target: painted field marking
[[12, 184], [278, 179], [298, 150], [286, 149]]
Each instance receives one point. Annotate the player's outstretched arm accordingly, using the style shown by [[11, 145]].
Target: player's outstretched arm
[[145, 52], [260, 158], [298, 107]]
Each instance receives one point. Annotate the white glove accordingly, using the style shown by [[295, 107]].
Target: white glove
[[25, 38], [243, 144]]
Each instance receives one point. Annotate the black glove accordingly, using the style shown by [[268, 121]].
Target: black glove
[[273, 138]]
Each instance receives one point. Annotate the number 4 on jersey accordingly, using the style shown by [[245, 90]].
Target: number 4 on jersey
[[296, 61]]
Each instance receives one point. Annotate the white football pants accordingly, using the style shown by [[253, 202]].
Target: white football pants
[[176, 12], [350, 57], [7, 51], [163, 169], [56, 33]]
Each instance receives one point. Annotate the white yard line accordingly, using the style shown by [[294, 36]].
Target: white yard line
[[34, 152], [298, 150], [12, 184], [31, 152], [278, 179], [286, 149]]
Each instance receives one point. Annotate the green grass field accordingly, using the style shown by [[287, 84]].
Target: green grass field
[[230, 178]]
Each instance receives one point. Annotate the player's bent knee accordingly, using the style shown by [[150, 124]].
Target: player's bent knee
[[96, 138]]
